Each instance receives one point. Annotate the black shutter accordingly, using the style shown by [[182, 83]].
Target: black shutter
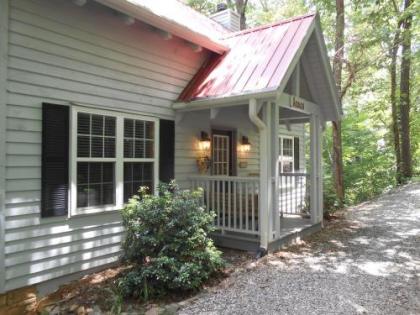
[[296, 152], [55, 160], [166, 150]]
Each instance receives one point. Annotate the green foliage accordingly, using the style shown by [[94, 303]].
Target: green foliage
[[369, 167], [167, 241]]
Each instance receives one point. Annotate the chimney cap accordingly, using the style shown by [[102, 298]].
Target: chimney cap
[[221, 7]]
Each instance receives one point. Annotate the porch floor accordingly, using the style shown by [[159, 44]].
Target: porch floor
[[292, 228]]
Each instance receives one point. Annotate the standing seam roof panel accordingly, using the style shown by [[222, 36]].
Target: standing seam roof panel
[[257, 60]]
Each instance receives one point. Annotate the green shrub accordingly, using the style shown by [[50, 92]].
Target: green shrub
[[167, 241]]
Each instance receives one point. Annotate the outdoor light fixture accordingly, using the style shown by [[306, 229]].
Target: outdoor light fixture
[[204, 141], [245, 144]]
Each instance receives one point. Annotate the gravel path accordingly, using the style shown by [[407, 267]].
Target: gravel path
[[368, 263]]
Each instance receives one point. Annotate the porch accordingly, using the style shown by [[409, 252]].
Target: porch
[[263, 186], [235, 203]]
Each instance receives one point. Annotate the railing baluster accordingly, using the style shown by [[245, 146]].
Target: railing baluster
[[223, 203], [253, 205], [235, 192], [246, 206], [229, 188], [208, 195], [240, 206]]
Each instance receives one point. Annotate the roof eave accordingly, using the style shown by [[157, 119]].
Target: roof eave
[[225, 100], [165, 24], [330, 77]]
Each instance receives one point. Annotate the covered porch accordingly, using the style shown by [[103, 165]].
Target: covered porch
[[258, 203], [236, 125]]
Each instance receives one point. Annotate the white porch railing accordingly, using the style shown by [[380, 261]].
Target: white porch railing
[[234, 200], [293, 193]]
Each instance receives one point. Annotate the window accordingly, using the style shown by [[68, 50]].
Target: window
[[139, 146], [112, 156], [221, 154], [287, 154]]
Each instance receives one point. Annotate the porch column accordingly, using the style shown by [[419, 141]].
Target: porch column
[[316, 160], [265, 186]]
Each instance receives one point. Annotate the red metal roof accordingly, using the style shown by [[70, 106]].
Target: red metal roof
[[257, 61]]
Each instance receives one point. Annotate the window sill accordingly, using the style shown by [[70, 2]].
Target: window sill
[[89, 211]]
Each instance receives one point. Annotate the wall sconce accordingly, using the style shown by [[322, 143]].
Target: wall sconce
[[245, 144], [203, 162], [204, 142]]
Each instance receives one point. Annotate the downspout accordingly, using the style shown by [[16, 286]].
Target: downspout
[[263, 198]]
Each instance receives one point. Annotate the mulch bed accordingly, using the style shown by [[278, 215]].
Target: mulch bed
[[96, 292]]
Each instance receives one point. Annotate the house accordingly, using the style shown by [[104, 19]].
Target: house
[[99, 97]]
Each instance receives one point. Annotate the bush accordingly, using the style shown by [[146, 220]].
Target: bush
[[167, 241]]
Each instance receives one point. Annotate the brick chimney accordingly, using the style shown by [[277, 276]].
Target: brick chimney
[[226, 17]]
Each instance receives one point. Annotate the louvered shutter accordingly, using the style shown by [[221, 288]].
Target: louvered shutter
[[166, 150], [296, 153], [55, 160]]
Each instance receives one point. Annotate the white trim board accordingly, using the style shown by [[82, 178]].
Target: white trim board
[[4, 50]]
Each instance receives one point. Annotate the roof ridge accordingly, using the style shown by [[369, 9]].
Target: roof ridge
[[265, 26]]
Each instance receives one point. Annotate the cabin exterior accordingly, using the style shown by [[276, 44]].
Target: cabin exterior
[[100, 97]]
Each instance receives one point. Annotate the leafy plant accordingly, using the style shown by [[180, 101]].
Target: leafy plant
[[167, 241]]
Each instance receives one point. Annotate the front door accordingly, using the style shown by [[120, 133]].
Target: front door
[[223, 153]]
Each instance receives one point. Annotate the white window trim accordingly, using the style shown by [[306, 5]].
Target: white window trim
[[288, 158], [119, 158]]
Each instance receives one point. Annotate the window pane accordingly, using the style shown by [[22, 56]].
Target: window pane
[[138, 139], [97, 125], [96, 135], [95, 184], [137, 175], [128, 128], [82, 173], [128, 148], [149, 149], [109, 148], [83, 123], [139, 149], [82, 198], [97, 149], [150, 130], [83, 146], [287, 147], [139, 134], [110, 126]]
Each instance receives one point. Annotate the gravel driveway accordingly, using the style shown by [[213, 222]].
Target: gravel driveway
[[368, 263]]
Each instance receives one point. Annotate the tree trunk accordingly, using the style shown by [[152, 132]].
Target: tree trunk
[[406, 168], [394, 107], [336, 126], [240, 6]]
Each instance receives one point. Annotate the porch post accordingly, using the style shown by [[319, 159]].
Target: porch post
[[320, 173], [316, 189], [275, 152], [265, 195]]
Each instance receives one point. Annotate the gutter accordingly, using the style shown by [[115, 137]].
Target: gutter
[[253, 115]]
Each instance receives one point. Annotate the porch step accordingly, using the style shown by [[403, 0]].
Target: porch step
[[291, 237]]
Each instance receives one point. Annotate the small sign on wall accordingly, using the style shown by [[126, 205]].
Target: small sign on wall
[[297, 102]]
